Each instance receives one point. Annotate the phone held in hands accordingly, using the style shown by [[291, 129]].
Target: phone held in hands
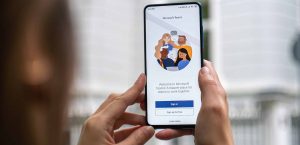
[[173, 35]]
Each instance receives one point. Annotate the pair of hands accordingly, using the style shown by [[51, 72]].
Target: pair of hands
[[212, 127]]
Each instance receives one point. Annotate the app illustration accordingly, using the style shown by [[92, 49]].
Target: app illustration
[[171, 55], [173, 60]]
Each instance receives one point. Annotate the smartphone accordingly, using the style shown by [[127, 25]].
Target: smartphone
[[173, 43]]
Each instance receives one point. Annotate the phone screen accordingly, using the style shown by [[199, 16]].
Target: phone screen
[[173, 58]]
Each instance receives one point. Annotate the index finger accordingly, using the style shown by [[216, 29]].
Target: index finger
[[113, 110], [112, 97]]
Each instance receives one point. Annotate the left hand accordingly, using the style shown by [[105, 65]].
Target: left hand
[[101, 127]]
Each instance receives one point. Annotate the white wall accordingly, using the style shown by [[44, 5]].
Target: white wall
[[108, 44], [252, 52], [253, 40]]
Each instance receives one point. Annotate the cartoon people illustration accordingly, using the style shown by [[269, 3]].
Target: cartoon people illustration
[[182, 44], [183, 58], [173, 59], [163, 60], [165, 42]]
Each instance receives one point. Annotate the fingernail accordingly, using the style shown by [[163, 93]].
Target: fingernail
[[205, 71]]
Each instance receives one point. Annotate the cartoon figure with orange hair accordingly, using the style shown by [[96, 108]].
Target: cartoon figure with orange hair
[[165, 42], [162, 49]]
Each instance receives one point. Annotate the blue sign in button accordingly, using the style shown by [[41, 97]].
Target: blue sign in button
[[174, 104]]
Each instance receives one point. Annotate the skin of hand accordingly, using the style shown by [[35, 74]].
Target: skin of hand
[[172, 43], [160, 43], [212, 128], [213, 125], [101, 128], [157, 54], [157, 49]]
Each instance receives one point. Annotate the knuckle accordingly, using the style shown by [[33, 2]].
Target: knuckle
[[112, 96], [121, 99], [137, 88], [139, 119], [141, 135], [118, 98], [216, 110], [89, 124], [210, 82], [115, 97], [92, 124], [138, 136]]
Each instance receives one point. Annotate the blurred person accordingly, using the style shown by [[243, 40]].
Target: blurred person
[[37, 70]]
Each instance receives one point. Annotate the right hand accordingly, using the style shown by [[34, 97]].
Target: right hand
[[213, 125]]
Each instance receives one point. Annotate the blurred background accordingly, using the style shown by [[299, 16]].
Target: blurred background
[[251, 43]]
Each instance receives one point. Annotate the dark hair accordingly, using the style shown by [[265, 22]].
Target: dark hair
[[55, 33], [183, 50], [182, 36]]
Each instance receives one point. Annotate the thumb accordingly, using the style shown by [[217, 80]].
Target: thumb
[[207, 83], [139, 137]]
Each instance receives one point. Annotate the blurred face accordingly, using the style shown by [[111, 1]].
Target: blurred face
[[37, 71], [37, 67], [182, 55], [181, 40], [47, 70]]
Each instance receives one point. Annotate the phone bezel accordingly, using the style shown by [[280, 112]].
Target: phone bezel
[[179, 126]]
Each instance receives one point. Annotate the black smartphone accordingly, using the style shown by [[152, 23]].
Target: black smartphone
[[173, 43]]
